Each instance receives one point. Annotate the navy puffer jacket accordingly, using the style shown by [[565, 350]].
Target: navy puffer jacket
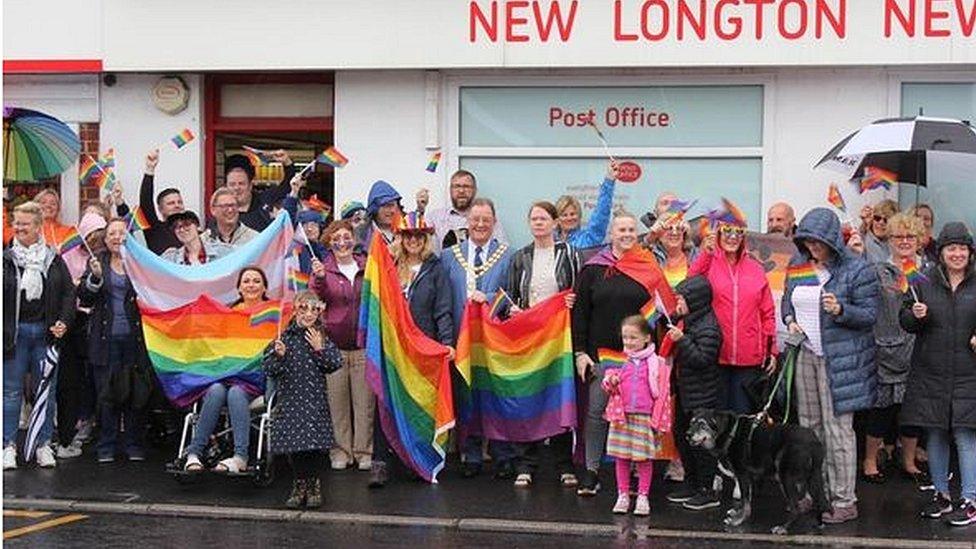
[[848, 338]]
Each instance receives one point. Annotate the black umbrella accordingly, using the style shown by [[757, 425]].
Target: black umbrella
[[917, 149]]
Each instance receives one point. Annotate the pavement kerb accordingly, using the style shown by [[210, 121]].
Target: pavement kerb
[[460, 524]]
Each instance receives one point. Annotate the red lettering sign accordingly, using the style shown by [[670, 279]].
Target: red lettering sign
[[628, 172]]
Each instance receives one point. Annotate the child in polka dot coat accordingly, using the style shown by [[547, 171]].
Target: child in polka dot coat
[[301, 425]]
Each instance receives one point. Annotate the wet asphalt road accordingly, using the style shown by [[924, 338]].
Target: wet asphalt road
[[108, 531]]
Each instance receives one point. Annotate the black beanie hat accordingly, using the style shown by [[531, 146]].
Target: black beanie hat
[[240, 161], [955, 232]]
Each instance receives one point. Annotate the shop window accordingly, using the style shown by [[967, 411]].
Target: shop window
[[535, 143], [951, 200]]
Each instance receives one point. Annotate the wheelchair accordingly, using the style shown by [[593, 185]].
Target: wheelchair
[[260, 463]]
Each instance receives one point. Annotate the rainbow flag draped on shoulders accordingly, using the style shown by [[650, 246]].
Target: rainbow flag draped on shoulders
[[519, 371], [408, 371]]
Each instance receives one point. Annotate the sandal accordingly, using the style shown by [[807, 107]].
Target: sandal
[[192, 464], [234, 465]]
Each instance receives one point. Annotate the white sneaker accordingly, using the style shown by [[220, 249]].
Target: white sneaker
[[10, 458], [84, 433], [339, 465], [365, 464], [72, 450], [523, 480], [45, 457], [622, 505], [643, 506]]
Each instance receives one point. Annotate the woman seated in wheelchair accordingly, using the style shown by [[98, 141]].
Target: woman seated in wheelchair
[[301, 425], [252, 285]]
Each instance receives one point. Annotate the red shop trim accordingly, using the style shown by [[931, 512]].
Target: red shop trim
[[36, 66]]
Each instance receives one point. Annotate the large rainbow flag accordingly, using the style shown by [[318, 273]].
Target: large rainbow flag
[[408, 371], [202, 342], [520, 371]]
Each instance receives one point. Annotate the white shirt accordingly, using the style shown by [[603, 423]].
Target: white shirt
[[543, 283], [446, 220], [349, 270], [806, 307]]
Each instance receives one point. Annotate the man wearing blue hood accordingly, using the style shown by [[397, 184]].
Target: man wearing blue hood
[[832, 298], [382, 208]]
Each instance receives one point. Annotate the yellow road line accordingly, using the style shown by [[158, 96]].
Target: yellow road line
[[25, 514], [67, 519]]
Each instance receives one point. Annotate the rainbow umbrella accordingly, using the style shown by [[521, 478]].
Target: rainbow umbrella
[[36, 146]]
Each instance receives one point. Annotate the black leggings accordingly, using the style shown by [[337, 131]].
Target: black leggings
[[306, 465]]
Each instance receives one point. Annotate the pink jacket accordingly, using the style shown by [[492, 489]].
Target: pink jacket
[[644, 381], [743, 304]]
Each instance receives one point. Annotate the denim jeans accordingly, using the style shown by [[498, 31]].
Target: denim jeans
[[121, 353], [938, 450], [29, 350], [237, 401], [732, 388]]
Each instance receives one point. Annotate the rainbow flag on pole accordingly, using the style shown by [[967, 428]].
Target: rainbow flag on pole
[[435, 159], [611, 358], [203, 342], [297, 280], [876, 178], [408, 371], [802, 274], [107, 160], [332, 157], [835, 199], [182, 138], [913, 277], [136, 218], [72, 239], [520, 371]]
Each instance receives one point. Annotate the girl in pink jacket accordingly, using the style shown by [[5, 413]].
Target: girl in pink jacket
[[638, 412], [743, 305]]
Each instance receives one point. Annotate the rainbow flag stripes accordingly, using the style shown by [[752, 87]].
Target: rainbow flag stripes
[[876, 178], [136, 219], [435, 159], [89, 170], [182, 138], [408, 371], [71, 241], [913, 277], [203, 342], [107, 160], [802, 275], [651, 313], [835, 199], [520, 372], [298, 280], [611, 358], [333, 157], [270, 312], [496, 305], [253, 158]]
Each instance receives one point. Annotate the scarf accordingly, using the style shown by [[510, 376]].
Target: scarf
[[31, 260]]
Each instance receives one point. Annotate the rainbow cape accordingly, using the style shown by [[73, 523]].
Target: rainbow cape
[[876, 178], [520, 371], [408, 371], [201, 343], [611, 358], [802, 274], [182, 138]]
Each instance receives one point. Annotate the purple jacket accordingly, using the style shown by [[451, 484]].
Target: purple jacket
[[341, 316]]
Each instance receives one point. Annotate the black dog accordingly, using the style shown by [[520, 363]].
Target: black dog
[[753, 450]]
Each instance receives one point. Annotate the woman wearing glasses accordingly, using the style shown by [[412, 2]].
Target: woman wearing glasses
[[835, 307], [875, 229], [743, 304]]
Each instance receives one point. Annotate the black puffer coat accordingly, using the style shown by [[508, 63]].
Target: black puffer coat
[[941, 389], [696, 357]]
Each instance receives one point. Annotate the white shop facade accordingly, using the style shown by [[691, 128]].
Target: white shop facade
[[735, 98]]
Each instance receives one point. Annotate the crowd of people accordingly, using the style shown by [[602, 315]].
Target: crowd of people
[[895, 367]]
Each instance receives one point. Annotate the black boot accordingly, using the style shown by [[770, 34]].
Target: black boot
[[299, 491], [378, 475], [314, 494]]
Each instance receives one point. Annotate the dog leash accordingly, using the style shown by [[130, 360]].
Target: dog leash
[[787, 371]]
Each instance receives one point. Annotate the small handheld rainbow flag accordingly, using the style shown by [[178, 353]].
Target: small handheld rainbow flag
[[298, 280], [496, 305], [802, 275], [611, 358], [913, 276], [182, 138], [319, 205], [89, 170], [254, 158], [678, 208], [332, 157], [136, 218], [654, 310], [435, 159], [107, 160], [71, 241], [257, 157], [270, 313], [876, 178], [835, 199]]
